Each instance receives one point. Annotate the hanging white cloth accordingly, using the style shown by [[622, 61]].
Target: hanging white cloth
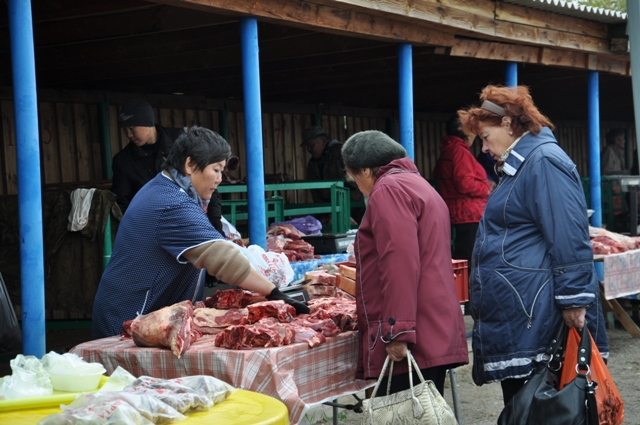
[[80, 206]]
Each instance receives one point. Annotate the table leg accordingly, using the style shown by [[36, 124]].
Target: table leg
[[620, 314], [454, 394]]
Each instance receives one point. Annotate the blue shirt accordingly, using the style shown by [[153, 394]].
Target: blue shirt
[[147, 270]]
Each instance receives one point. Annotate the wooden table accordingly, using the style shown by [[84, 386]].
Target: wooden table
[[621, 278]]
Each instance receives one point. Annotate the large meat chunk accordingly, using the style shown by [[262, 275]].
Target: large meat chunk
[[168, 327], [243, 337], [211, 320], [232, 298], [278, 309]]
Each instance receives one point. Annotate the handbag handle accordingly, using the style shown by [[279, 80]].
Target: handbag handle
[[412, 362], [557, 348], [584, 351]]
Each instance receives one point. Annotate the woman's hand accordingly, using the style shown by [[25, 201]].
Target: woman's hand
[[397, 350], [574, 317]]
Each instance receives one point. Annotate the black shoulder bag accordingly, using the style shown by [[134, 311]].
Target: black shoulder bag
[[540, 402]]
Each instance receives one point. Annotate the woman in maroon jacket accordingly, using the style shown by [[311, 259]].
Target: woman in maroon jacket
[[406, 296], [464, 186]]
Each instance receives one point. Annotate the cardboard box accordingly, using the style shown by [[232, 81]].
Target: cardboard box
[[346, 284], [348, 271]]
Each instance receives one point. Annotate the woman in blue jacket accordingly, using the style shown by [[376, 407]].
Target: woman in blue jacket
[[532, 264]]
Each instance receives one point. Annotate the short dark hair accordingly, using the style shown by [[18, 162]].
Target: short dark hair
[[202, 145], [614, 133], [453, 127]]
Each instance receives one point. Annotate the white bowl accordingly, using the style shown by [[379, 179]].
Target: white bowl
[[75, 383]]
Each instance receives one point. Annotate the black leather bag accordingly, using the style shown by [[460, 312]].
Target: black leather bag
[[540, 402]]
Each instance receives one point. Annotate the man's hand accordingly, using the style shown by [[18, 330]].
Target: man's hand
[[276, 294], [574, 317], [397, 350]]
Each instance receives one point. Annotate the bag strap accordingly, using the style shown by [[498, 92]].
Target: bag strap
[[381, 377], [556, 348], [584, 351], [412, 362]]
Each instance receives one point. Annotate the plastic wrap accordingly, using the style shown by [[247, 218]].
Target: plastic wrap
[[28, 379], [216, 390], [115, 412], [178, 396], [148, 406]]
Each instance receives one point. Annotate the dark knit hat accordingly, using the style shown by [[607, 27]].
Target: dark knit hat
[[136, 113], [370, 149], [311, 133]]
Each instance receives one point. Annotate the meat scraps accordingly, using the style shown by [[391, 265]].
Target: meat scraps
[[232, 298], [328, 318], [168, 327], [278, 309]]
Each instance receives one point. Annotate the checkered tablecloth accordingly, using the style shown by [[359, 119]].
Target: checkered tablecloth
[[299, 376], [621, 274]]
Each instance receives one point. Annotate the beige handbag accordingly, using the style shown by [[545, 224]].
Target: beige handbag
[[421, 404]]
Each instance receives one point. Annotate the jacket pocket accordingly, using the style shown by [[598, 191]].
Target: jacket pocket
[[520, 297], [375, 333]]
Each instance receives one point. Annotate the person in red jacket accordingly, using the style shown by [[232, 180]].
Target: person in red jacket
[[406, 297], [463, 184]]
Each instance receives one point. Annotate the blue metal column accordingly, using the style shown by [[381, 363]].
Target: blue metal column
[[595, 191], [633, 26], [511, 74], [253, 131], [405, 93], [29, 190]]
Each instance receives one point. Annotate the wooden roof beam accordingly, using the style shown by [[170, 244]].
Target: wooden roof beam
[[332, 18], [540, 55]]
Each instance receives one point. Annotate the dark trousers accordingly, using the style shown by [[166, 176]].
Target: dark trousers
[[465, 238], [401, 382], [510, 387]]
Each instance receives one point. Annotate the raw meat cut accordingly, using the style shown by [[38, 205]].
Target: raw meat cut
[[320, 277], [232, 298], [286, 230], [614, 245], [278, 309], [211, 320], [243, 337], [310, 336], [326, 326], [168, 327], [340, 310]]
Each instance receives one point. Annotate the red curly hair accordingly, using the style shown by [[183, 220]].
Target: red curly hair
[[518, 105]]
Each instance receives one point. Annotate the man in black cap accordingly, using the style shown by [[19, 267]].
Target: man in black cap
[[326, 164], [140, 161]]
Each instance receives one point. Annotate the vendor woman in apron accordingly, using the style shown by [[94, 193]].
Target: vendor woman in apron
[[165, 241]]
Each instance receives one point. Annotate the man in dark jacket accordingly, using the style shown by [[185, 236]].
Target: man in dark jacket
[[143, 157], [326, 164]]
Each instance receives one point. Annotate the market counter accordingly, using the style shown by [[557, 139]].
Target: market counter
[[299, 376], [241, 408]]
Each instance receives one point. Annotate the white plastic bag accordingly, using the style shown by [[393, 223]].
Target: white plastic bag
[[230, 230], [28, 379], [274, 266], [70, 364]]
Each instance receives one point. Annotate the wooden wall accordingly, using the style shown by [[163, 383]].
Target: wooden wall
[[70, 153]]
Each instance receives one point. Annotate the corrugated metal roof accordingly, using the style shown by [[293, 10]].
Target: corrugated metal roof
[[575, 9]]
